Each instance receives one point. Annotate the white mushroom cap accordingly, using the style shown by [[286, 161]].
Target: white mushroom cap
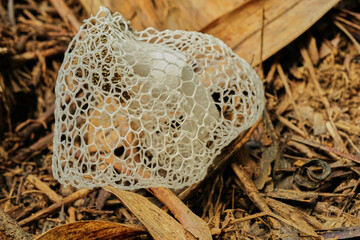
[[147, 109]]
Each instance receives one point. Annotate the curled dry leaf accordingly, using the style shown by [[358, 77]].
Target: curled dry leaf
[[93, 230]]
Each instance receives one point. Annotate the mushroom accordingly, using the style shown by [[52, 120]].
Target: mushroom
[[139, 109]]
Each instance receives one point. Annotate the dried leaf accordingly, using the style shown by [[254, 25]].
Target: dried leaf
[[284, 21], [92, 230], [159, 224], [238, 23], [164, 14], [268, 157]]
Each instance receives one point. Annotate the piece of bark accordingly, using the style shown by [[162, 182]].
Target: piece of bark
[[101, 199], [52, 195], [303, 149], [10, 229], [290, 125], [72, 214], [304, 197], [252, 192], [351, 232], [269, 155], [325, 148], [181, 212], [35, 148]]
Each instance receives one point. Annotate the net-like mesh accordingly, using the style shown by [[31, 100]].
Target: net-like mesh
[[147, 109]]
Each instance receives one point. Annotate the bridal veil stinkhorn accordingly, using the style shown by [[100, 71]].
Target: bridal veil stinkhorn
[[139, 109]]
